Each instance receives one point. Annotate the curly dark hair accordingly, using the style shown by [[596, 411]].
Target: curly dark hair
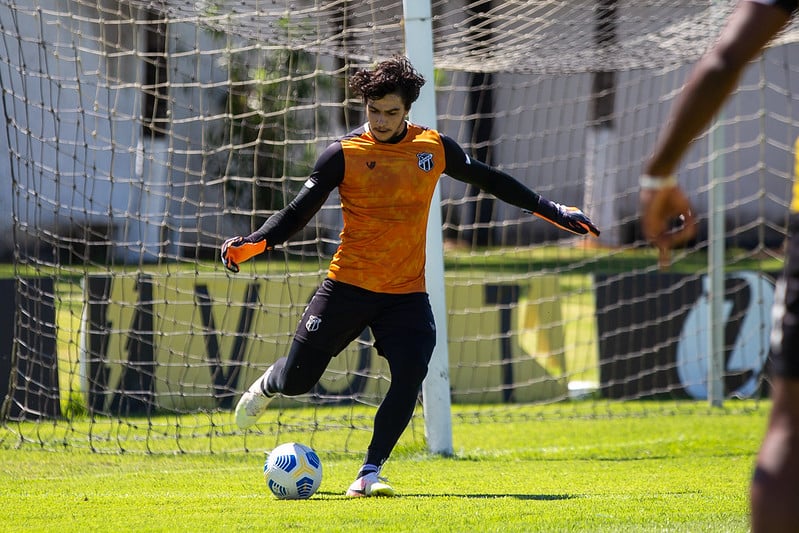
[[395, 75]]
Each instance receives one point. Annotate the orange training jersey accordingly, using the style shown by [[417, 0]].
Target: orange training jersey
[[385, 199]]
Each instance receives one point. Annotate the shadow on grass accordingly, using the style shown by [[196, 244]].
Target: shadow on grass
[[538, 497], [534, 497]]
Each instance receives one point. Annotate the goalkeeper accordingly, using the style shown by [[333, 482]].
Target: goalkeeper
[[386, 172], [774, 488]]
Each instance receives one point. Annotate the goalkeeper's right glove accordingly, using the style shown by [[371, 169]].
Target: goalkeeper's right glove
[[236, 250]]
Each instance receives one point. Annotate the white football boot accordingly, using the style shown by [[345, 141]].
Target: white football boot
[[369, 485], [253, 402]]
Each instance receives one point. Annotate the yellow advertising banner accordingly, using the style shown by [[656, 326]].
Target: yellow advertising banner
[[182, 342]]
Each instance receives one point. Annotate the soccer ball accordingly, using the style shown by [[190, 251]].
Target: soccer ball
[[293, 471]]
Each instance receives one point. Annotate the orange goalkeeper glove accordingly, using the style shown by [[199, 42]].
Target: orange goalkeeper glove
[[570, 219], [236, 250]]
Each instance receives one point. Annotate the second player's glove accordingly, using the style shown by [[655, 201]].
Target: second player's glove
[[571, 219], [237, 250]]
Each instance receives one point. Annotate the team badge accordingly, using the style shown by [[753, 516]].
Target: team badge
[[425, 161], [313, 323]]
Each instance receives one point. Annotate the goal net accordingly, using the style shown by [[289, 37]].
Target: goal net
[[140, 135]]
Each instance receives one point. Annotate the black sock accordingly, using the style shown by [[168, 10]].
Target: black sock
[[367, 469], [265, 382], [265, 388]]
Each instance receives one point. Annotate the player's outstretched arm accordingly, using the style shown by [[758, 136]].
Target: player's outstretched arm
[[510, 190], [237, 250], [747, 31], [666, 216], [280, 226]]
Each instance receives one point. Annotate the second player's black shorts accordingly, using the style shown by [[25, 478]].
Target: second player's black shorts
[[785, 329]]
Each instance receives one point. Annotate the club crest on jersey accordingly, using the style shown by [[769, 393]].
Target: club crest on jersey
[[313, 323], [425, 161]]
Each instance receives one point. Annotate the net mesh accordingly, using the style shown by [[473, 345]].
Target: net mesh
[[141, 135]]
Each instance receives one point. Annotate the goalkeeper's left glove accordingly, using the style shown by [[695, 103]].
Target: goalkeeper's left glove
[[236, 250], [570, 219]]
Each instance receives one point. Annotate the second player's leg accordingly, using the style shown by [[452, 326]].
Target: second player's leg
[[775, 483]]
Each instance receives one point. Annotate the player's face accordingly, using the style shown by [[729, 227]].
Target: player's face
[[386, 117]]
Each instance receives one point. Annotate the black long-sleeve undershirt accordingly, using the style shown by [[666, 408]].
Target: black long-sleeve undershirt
[[329, 171], [491, 180]]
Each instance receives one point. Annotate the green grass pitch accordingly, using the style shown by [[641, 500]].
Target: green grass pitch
[[592, 467], [637, 467]]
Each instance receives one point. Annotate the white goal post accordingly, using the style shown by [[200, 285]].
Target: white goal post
[[435, 389]]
